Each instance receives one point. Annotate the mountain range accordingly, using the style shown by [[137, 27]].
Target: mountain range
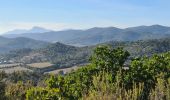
[[35, 29], [97, 35], [38, 37]]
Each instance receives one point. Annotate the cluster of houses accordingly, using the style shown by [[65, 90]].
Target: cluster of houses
[[25, 59], [4, 61]]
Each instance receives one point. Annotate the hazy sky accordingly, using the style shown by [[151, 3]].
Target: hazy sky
[[66, 14]]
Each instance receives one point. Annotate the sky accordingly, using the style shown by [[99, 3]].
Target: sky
[[82, 14]]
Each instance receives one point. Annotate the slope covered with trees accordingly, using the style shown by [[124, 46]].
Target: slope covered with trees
[[144, 47], [66, 56]]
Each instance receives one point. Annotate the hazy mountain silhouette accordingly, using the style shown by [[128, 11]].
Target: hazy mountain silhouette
[[99, 35]]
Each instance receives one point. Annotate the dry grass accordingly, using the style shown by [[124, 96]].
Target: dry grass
[[103, 90], [40, 65], [9, 65], [65, 70]]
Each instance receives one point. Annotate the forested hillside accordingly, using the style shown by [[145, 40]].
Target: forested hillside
[[66, 55], [144, 47]]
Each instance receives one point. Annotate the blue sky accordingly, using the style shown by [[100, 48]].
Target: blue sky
[[78, 14]]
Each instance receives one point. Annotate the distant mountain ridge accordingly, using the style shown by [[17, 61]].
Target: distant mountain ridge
[[99, 35], [35, 29]]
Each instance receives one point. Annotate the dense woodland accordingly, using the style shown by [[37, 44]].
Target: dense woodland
[[105, 78]]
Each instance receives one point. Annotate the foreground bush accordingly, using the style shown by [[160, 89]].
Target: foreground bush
[[17, 91], [104, 90], [43, 94]]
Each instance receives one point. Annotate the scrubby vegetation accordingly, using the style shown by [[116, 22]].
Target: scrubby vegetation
[[105, 78]]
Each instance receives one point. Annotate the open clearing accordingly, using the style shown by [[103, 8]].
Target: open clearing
[[41, 65], [65, 70]]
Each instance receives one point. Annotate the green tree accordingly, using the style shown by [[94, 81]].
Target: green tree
[[110, 59]]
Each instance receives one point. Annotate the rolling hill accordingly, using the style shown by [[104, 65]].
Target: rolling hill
[[8, 44]]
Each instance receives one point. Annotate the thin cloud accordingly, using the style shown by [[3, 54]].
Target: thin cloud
[[56, 26], [28, 25]]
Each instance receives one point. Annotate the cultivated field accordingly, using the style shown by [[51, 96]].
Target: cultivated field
[[64, 70], [10, 68], [9, 65], [41, 65], [14, 69]]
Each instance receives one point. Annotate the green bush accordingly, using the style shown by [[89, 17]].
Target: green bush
[[43, 94]]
